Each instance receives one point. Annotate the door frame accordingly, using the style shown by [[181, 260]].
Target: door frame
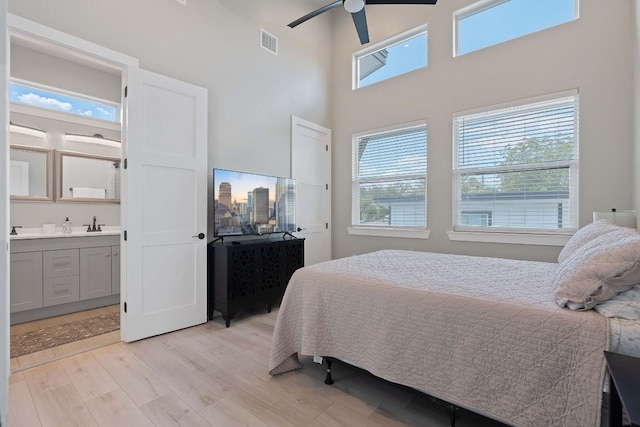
[[5, 368], [56, 42]]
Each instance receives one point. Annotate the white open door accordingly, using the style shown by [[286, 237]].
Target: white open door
[[164, 212], [311, 168]]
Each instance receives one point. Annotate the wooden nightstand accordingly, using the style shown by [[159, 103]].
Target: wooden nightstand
[[625, 388]]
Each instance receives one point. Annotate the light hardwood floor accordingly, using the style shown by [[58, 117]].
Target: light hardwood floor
[[210, 375]]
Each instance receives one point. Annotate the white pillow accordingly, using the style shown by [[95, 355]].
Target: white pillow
[[599, 269], [585, 235]]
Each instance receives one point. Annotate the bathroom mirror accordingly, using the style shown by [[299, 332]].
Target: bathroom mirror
[[31, 173], [87, 178]]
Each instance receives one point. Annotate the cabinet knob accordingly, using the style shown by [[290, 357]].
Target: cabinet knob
[[199, 236]]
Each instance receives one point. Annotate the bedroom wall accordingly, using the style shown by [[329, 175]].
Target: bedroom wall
[[592, 54], [215, 44]]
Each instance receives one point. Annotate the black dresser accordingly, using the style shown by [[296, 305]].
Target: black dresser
[[248, 273]]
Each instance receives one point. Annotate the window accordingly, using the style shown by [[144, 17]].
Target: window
[[516, 167], [54, 99], [495, 21], [389, 177], [398, 55]]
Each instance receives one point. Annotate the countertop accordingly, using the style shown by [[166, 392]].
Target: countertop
[[36, 233]]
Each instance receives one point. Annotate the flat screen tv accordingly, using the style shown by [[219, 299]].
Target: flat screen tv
[[251, 204]]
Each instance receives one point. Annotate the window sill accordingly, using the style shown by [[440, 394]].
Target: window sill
[[510, 238], [389, 232]]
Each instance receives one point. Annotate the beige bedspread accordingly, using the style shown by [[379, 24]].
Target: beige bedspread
[[482, 333]]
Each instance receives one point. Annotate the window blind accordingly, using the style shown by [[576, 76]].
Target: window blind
[[389, 177], [516, 168]]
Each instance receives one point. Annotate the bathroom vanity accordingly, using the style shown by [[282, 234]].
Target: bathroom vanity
[[54, 274]]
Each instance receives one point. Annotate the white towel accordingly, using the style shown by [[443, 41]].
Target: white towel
[[89, 193]]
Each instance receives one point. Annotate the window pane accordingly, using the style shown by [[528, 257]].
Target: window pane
[[22, 94], [393, 60], [518, 136], [518, 165], [394, 203], [510, 19], [393, 153], [537, 199], [389, 178]]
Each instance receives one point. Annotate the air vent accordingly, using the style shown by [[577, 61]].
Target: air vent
[[268, 41]]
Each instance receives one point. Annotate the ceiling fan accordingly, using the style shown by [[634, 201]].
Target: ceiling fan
[[356, 8]]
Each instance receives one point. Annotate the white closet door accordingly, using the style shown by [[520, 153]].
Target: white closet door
[[311, 168]]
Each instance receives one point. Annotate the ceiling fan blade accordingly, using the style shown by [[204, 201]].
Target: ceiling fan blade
[[360, 20], [315, 13], [401, 1]]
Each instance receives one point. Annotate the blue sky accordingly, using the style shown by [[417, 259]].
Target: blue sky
[[242, 183], [54, 101], [504, 21], [511, 19]]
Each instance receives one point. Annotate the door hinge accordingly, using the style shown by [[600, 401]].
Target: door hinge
[[126, 91], [125, 163], [125, 306], [125, 235], [326, 225]]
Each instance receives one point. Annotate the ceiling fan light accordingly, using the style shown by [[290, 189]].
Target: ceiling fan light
[[353, 6]]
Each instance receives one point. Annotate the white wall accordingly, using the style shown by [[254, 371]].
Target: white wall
[[215, 44], [591, 54]]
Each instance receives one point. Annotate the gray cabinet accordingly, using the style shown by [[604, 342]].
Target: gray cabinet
[[26, 281], [61, 274], [115, 270], [54, 276], [95, 272]]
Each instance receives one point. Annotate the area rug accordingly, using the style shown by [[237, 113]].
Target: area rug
[[54, 336]]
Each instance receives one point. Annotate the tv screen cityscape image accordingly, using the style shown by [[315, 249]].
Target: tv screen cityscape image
[[252, 204]]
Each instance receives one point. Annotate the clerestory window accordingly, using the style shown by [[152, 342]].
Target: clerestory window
[[489, 22], [398, 55], [33, 95]]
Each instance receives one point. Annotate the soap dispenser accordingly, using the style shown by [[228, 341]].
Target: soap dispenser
[[66, 226]]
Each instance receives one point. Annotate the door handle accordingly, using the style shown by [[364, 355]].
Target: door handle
[[300, 229], [199, 236]]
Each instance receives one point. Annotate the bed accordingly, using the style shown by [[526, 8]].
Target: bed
[[517, 341]]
